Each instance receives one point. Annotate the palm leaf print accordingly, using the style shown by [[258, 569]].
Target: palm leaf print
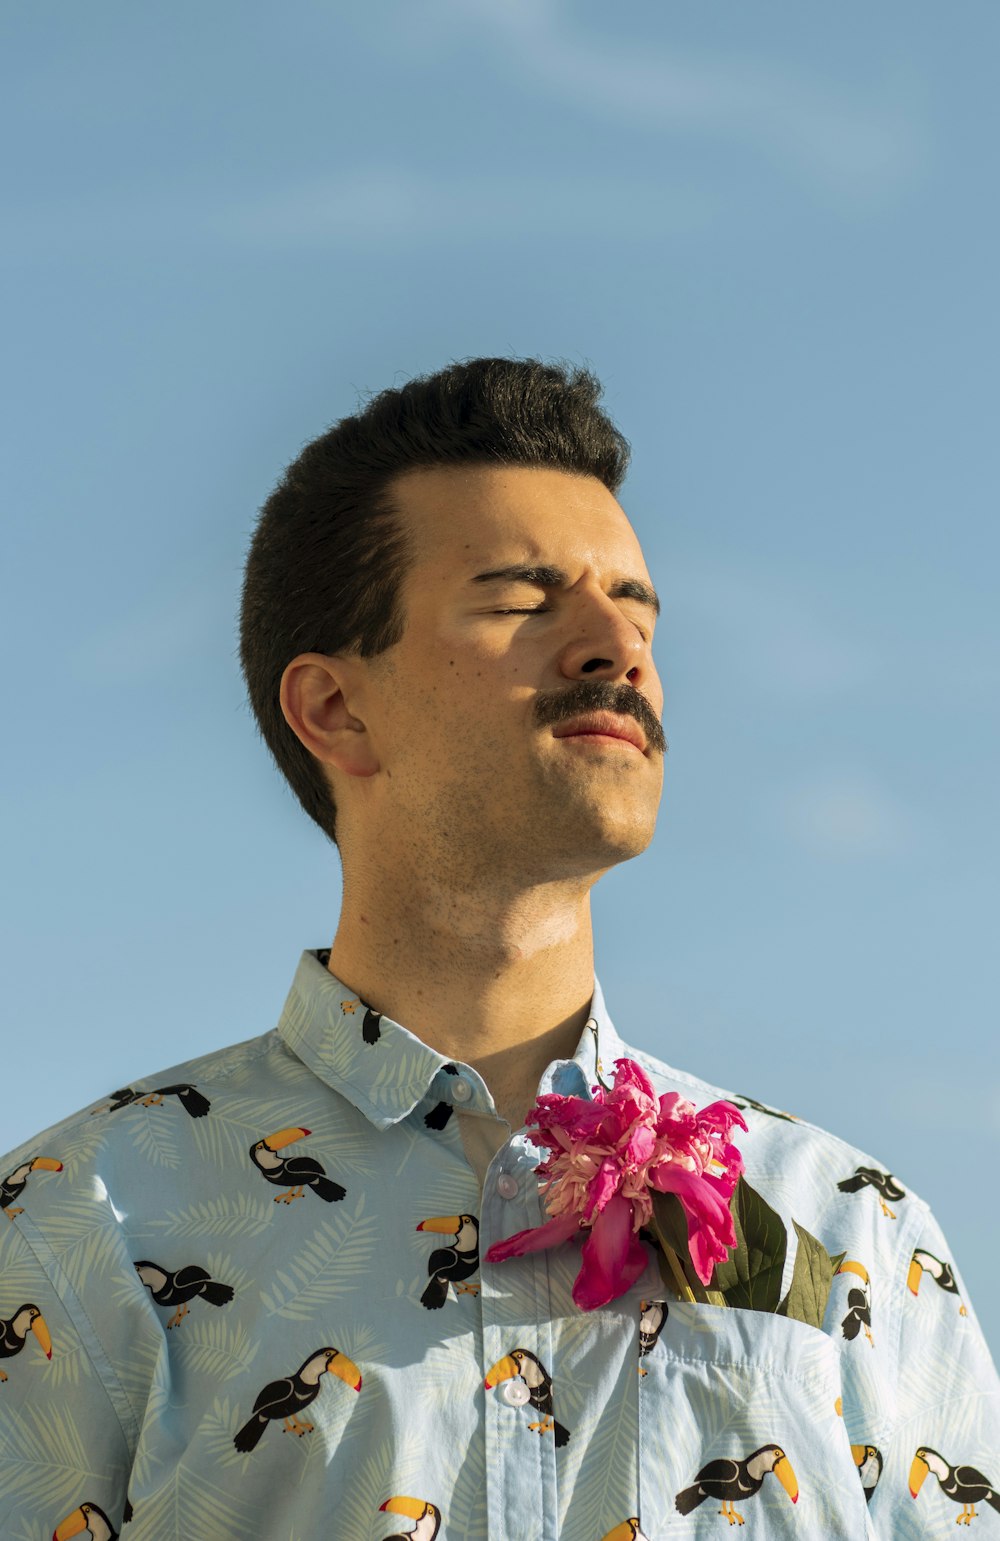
[[217, 1430], [87, 1241], [215, 1348], [31, 1530], [45, 1458], [600, 1481], [244, 1215], [390, 1461], [330, 1262], [155, 1133], [80, 1148], [69, 1363], [189, 1504]]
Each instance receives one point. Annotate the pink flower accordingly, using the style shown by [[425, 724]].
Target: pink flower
[[605, 1155]]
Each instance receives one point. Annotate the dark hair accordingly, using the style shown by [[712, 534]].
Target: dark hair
[[329, 550]]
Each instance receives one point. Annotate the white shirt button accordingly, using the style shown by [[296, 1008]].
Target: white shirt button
[[461, 1090], [515, 1392], [506, 1185]]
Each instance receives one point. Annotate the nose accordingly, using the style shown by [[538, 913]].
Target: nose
[[605, 643]]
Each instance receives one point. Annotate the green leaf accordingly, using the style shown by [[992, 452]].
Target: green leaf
[[671, 1229], [750, 1278], [669, 1223], [670, 1220], [812, 1277]]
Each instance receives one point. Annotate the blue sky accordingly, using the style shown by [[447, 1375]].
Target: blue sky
[[771, 231]]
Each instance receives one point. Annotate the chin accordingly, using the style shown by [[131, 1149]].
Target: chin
[[602, 846]]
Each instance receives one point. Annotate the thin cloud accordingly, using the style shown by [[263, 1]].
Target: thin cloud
[[845, 815], [377, 203], [368, 208], [856, 147]]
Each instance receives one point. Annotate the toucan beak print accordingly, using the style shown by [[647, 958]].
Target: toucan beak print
[[504, 1369], [427, 1516], [89, 1520], [346, 1369], [41, 1332], [284, 1137], [786, 1476]]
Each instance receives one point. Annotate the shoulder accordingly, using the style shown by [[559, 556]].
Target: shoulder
[[117, 1127], [845, 1195]]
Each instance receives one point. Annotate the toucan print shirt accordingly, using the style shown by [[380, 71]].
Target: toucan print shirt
[[246, 1297]]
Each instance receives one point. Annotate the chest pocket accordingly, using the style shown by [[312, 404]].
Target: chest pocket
[[739, 1427]]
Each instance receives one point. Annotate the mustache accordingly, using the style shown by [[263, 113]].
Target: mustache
[[602, 696]]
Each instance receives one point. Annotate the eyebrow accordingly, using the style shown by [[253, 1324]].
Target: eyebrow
[[552, 577]]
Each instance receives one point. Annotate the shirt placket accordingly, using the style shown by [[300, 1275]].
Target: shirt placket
[[517, 1315]]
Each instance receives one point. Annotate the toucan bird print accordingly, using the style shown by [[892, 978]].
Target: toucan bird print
[[14, 1333], [88, 1521], [449, 1265], [427, 1516], [868, 1460], [286, 1398], [537, 1389], [734, 1481], [963, 1484], [176, 1289], [859, 1302], [742, 1101], [628, 1530], [14, 1185], [652, 1317], [371, 1025], [297, 1173], [194, 1102], [441, 1111], [941, 1272], [885, 1185]]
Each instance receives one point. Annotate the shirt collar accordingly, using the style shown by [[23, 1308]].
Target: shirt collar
[[385, 1070]]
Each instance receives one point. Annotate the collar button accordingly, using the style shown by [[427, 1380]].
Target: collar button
[[461, 1089]]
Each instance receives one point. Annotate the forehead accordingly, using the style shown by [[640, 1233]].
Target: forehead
[[464, 519]]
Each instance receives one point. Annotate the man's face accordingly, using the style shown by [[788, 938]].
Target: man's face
[[469, 712]]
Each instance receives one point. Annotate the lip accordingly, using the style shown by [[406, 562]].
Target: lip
[[603, 725]]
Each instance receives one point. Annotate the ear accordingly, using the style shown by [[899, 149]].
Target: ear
[[314, 693]]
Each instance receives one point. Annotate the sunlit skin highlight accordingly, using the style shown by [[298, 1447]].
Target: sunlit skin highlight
[[470, 833]]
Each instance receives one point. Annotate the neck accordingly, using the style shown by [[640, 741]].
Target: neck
[[503, 982]]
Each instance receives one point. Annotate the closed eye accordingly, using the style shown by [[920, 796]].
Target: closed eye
[[543, 609]]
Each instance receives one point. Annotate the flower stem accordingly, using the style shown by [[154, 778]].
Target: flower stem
[[684, 1289], [686, 1292]]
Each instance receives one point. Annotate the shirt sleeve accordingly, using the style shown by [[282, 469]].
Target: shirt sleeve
[[62, 1446], [942, 1458]]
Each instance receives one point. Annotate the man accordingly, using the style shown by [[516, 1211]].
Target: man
[[248, 1296]]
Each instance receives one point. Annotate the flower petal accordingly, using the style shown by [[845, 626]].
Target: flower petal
[[612, 1258], [722, 1116], [711, 1232], [577, 1114], [631, 1074], [534, 1238], [603, 1187]]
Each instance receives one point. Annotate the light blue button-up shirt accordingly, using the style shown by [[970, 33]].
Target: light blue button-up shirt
[[246, 1298]]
